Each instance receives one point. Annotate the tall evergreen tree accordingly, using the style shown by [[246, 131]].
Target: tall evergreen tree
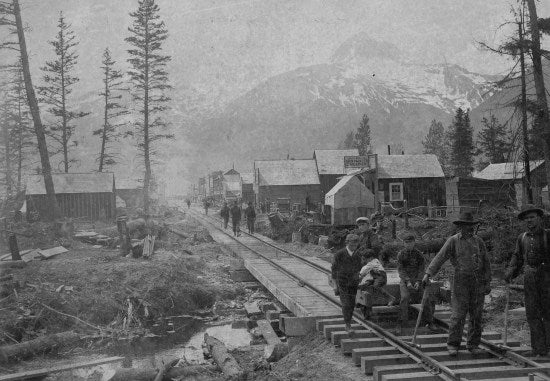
[[59, 83], [362, 139], [347, 143], [150, 82], [436, 143], [113, 110], [462, 144], [494, 141]]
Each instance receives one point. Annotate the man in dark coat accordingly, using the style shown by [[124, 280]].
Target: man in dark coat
[[532, 254], [224, 212], [369, 242], [206, 206], [471, 282], [250, 214], [236, 218], [345, 276], [410, 266]]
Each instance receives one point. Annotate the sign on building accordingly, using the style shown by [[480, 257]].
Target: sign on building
[[368, 161]]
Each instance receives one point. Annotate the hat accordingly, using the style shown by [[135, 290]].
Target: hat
[[466, 218], [352, 237], [362, 220], [528, 208], [409, 237]]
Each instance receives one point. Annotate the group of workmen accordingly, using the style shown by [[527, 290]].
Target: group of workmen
[[235, 212], [357, 267]]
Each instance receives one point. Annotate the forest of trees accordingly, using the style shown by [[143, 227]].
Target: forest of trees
[[48, 121]]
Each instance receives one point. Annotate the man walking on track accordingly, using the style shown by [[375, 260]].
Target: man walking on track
[[532, 254], [224, 212], [471, 282], [250, 214], [236, 218], [345, 277], [410, 266]]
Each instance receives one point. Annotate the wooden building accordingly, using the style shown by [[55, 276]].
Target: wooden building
[[348, 200], [88, 195], [247, 181], [287, 184], [330, 166], [130, 191], [508, 178], [232, 186], [418, 179]]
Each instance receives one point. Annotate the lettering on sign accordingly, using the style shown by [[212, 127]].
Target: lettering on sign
[[356, 162]]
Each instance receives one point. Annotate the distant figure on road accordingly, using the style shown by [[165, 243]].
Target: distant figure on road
[[225, 214], [236, 218], [206, 205], [250, 214], [188, 202]]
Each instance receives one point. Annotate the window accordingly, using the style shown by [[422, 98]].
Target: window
[[396, 191]]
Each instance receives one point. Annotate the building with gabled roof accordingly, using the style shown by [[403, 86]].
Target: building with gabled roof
[[348, 200], [330, 166], [89, 195], [247, 181], [232, 185], [292, 184]]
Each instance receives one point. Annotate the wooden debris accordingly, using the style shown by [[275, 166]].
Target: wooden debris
[[25, 350], [13, 265], [53, 252], [252, 308], [227, 363], [275, 349], [199, 372], [45, 371]]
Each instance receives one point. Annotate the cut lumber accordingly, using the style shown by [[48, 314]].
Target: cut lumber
[[275, 349], [28, 349], [227, 363], [196, 372], [252, 308], [52, 252], [62, 368], [12, 264]]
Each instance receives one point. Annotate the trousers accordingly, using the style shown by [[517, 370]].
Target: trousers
[[348, 294], [236, 226], [250, 225], [467, 297], [415, 296], [537, 307], [225, 222]]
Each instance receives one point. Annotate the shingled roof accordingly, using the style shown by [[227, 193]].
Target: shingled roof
[[408, 166], [506, 171], [331, 161], [99, 182], [287, 172]]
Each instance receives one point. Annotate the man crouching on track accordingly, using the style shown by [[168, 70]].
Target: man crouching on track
[[345, 277], [472, 277]]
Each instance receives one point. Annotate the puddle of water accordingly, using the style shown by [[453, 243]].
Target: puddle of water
[[191, 351]]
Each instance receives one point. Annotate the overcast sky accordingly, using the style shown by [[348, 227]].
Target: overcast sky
[[234, 44]]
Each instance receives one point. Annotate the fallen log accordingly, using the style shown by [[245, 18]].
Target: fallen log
[[45, 344], [199, 372], [275, 349], [227, 363]]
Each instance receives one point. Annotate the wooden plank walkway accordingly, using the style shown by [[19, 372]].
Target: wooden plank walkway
[[299, 299]]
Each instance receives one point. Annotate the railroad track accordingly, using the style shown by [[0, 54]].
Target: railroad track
[[387, 355]]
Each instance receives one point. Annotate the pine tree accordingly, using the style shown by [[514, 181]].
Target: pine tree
[[150, 81], [59, 83], [436, 143], [494, 141], [462, 144], [347, 143], [113, 110], [362, 139]]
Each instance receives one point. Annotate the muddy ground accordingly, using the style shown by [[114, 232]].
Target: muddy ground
[[184, 289]]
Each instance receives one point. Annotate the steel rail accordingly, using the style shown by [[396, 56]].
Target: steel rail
[[429, 364]]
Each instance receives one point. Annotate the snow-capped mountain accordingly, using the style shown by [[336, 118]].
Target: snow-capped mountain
[[314, 107]]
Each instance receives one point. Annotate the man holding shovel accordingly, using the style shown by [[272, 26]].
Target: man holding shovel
[[533, 255], [471, 282], [410, 266]]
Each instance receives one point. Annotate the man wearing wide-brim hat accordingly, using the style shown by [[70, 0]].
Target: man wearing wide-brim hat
[[471, 282], [345, 276], [532, 254]]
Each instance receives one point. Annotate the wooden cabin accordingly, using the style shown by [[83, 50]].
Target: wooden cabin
[[79, 195], [348, 200], [330, 166]]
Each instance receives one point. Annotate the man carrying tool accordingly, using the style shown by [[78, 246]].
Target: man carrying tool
[[532, 254], [410, 266], [224, 212], [345, 277], [471, 282]]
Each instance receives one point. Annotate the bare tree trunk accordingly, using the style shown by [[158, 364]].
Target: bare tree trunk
[[147, 178], [7, 159], [35, 111], [526, 164], [105, 121], [20, 132], [539, 84]]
